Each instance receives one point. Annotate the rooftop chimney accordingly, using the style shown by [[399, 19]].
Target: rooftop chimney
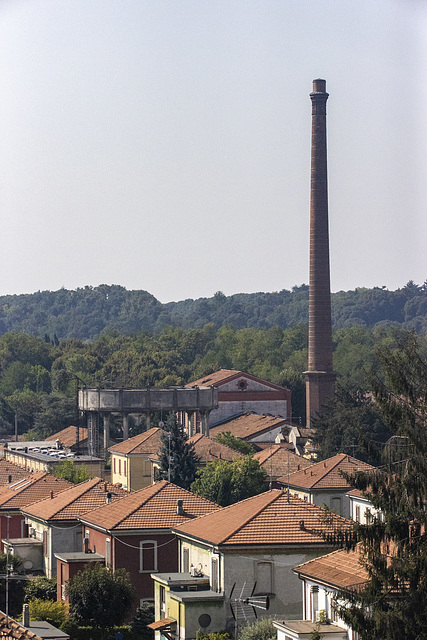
[[180, 507], [320, 377], [26, 615]]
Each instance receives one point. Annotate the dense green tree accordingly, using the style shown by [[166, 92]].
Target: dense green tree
[[144, 615], [100, 598], [40, 588], [49, 610], [243, 447], [229, 482], [262, 629], [351, 422], [393, 603], [177, 458], [69, 470]]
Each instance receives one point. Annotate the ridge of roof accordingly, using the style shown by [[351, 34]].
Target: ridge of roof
[[129, 445], [265, 498], [151, 491], [49, 508], [325, 468], [282, 520]]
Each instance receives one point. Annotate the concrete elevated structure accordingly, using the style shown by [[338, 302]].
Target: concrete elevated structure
[[99, 404]]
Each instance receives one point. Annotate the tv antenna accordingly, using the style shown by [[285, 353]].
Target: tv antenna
[[244, 605]]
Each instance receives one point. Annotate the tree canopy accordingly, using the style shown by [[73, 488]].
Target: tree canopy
[[226, 482], [100, 598], [177, 458], [394, 543], [243, 447], [352, 423]]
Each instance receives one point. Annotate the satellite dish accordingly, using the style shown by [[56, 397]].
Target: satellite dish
[[28, 564], [161, 424]]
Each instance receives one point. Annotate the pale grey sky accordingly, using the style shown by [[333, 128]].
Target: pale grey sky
[[165, 144]]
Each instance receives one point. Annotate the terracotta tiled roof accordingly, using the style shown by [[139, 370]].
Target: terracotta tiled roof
[[268, 518], [248, 425], [154, 507], [68, 436], [277, 460], [327, 474], [223, 376], [10, 470], [75, 501], [208, 450], [341, 569], [36, 486], [147, 442], [11, 629]]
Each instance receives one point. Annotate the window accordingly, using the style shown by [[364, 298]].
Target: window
[[214, 574], [314, 602], [45, 543], [162, 598], [108, 552], [336, 505], [264, 577], [186, 560], [148, 555], [120, 467], [124, 467], [114, 465], [358, 513]]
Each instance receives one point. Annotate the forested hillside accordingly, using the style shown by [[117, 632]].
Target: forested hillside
[[85, 313], [39, 377]]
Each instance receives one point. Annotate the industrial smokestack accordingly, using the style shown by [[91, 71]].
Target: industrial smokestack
[[320, 377]]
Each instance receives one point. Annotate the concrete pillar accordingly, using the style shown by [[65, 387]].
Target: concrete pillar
[[125, 426], [204, 422], [190, 423], [320, 377], [106, 433]]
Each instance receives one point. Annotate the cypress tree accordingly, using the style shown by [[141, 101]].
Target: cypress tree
[[393, 603], [182, 465]]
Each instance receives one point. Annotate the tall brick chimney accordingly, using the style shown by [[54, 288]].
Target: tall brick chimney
[[320, 377]]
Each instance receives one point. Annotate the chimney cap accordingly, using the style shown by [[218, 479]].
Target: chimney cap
[[319, 85]]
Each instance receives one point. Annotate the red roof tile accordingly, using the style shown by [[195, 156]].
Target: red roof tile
[[12, 471], [147, 442], [154, 507], [223, 376], [31, 489], [341, 569], [272, 518], [75, 501], [68, 436], [208, 450], [277, 460], [248, 425], [327, 474]]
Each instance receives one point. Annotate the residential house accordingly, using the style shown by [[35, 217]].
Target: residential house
[[135, 533], [248, 547], [20, 494], [130, 460], [54, 520], [301, 440], [322, 579], [323, 482], [252, 427], [279, 462], [240, 392]]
